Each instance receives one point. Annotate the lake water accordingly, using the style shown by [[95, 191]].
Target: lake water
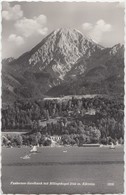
[[62, 170]]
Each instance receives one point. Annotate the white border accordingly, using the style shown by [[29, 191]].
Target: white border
[[107, 1]]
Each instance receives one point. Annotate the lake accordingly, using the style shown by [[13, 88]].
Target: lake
[[62, 170]]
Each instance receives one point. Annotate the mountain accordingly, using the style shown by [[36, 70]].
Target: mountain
[[64, 62], [7, 60], [104, 74]]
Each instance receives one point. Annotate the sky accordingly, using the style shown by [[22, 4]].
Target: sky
[[25, 24]]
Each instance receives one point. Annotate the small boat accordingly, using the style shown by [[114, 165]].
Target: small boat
[[34, 149], [25, 157], [64, 150], [112, 146]]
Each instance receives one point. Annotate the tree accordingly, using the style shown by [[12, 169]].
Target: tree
[[47, 142], [83, 139], [19, 140], [95, 135], [65, 139], [103, 140], [38, 136], [34, 139], [111, 127]]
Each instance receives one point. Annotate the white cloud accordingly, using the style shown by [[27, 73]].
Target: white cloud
[[18, 40], [102, 26], [97, 31], [27, 27], [11, 13], [87, 26]]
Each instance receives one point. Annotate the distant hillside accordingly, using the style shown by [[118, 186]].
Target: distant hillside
[[104, 74]]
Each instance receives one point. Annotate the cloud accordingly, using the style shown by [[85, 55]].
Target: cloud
[[97, 31], [11, 13], [102, 26], [87, 26], [18, 40], [27, 27]]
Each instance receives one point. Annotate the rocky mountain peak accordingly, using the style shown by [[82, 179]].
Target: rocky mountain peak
[[60, 50], [65, 57], [118, 48], [7, 60]]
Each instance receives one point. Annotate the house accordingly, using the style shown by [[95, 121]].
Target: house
[[91, 112]]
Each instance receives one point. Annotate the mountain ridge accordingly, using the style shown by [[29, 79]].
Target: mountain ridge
[[61, 58]]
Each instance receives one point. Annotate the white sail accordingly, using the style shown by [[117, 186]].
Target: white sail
[[34, 149], [112, 146]]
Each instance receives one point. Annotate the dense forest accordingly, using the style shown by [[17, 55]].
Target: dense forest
[[75, 121]]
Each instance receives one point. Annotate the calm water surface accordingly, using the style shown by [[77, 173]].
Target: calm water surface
[[63, 170]]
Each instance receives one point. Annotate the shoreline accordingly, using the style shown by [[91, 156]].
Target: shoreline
[[65, 146]]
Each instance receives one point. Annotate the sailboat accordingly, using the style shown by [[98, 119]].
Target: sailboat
[[34, 149], [112, 146]]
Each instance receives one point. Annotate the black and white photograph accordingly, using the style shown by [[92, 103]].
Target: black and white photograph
[[62, 97]]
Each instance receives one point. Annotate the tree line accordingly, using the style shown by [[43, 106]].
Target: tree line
[[71, 119]]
